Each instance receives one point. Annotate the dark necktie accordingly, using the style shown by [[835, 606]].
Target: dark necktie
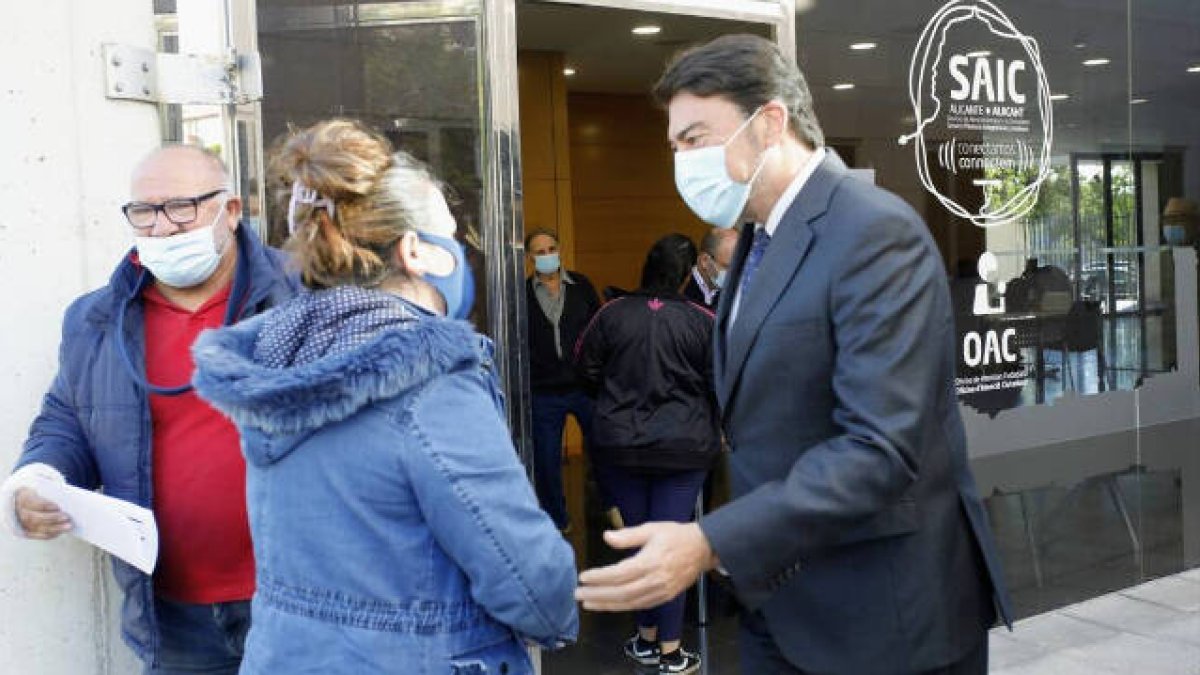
[[757, 249]]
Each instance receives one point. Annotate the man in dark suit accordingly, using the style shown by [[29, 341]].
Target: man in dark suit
[[711, 271], [856, 540]]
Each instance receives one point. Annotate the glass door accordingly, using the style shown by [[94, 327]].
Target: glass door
[[431, 76], [1115, 205]]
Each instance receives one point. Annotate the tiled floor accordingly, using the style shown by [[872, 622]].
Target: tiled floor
[[1151, 629]]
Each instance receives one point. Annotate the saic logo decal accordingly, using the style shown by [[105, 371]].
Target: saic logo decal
[[982, 107]]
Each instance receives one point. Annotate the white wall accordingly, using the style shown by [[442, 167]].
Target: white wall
[[64, 170]]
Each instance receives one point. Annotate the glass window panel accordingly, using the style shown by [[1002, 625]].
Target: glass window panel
[[1080, 438]]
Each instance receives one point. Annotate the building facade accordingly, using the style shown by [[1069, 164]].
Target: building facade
[[1052, 146]]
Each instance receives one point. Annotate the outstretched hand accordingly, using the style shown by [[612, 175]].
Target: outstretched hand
[[672, 557]]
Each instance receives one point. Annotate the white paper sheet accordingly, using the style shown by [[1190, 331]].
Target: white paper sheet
[[125, 530]]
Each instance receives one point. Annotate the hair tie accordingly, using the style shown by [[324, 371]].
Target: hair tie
[[302, 194]]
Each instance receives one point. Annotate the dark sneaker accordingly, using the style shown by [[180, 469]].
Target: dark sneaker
[[679, 662], [641, 652]]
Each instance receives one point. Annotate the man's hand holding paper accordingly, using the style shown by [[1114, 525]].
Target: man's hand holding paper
[[40, 518], [42, 506]]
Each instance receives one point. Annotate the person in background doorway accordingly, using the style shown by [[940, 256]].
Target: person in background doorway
[[648, 355], [394, 528], [709, 273], [560, 305], [703, 287], [121, 414], [856, 540]]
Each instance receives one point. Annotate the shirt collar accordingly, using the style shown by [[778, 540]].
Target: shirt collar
[[703, 285], [793, 190], [563, 275], [152, 294]]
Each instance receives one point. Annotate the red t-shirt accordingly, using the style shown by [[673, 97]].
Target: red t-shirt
[[204, 550]]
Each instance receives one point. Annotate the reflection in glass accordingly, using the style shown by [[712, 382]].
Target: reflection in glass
[[1079, 437]]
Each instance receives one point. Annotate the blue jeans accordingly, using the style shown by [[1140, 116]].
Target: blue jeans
[[200, 638], [655, 498], [549, 418]]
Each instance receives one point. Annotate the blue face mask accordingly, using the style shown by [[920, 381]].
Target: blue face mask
[[706, 187], [546, 264], [457, 287], [722, 277]]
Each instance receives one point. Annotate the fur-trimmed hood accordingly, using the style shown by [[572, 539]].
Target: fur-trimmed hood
[[322, 357]]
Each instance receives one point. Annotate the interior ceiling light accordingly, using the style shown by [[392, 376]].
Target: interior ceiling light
[[647, 30], [1138, 101], [863, 46], [1194, 69], [1059, 97], [843, 86], [1097, 62], [568, 71]]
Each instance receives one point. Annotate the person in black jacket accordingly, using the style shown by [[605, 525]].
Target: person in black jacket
[[560, 305], [649, 356]]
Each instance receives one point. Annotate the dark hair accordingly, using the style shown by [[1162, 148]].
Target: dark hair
[[749, 71], [668, 264], [540, 232]]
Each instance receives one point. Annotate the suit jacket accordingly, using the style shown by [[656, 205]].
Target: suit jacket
[[856, 527]]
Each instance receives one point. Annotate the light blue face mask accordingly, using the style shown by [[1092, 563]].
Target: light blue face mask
[[183, 260], [546, 264], [722, 277], [458, 286], [705, 185]]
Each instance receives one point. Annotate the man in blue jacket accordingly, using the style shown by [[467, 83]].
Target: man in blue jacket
[[856, 541], [121, 416]]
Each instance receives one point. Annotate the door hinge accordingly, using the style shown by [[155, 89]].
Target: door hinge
[[133, 73]]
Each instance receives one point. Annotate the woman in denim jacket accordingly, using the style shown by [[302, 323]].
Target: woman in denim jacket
[[394, 528]]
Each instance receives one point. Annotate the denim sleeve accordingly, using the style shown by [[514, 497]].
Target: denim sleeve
[[478, 502], [56, 437]]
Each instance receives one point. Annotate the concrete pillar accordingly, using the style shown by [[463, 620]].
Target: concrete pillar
[[64, 169]]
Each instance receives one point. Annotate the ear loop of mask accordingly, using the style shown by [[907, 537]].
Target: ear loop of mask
[[742, 127], [762, 159]]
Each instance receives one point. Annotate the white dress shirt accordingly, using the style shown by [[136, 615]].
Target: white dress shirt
[[781, 207]]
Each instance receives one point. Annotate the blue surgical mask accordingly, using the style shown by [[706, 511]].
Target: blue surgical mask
[[705, 185], [457, 287], [182, 260], [546, 264], [722, 277]]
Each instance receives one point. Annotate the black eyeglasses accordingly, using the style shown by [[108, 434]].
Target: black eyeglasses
[[180, 211]]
